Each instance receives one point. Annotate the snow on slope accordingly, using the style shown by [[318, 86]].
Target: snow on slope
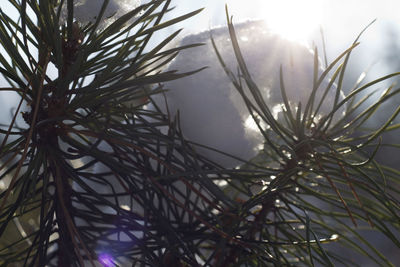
[[212, 112], [86, 11]]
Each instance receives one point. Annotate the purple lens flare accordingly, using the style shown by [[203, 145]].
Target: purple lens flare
[[106, 259]]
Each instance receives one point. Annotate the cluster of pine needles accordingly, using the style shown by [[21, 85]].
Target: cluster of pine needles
[[312, 190]]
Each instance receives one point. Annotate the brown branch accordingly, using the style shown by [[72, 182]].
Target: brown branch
[[73, 232]]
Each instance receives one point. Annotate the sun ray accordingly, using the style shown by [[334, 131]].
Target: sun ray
[[293, 19]]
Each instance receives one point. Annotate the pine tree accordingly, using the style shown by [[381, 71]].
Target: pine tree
[[94, 178]]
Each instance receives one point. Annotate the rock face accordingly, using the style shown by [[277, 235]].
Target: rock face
[[212, 112]]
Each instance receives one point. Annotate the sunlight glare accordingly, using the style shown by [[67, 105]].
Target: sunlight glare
[[293, 19]]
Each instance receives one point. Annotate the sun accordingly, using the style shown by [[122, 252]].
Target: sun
[[293, 19]]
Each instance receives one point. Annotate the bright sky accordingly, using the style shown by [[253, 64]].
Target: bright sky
[[341, 21], [301, 20], [294, 18]]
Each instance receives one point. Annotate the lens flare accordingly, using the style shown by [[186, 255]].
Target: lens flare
[[106, 260]]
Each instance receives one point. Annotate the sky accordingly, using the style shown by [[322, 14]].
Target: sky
[[341, 21], [343, 18]]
